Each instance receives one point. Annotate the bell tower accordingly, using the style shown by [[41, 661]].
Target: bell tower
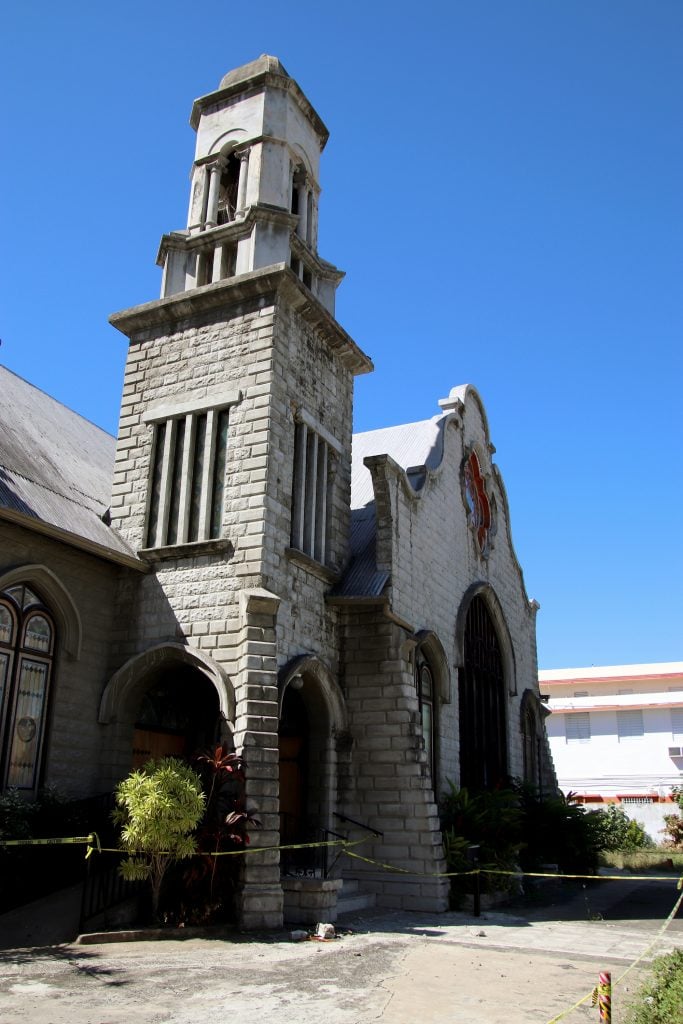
[[254, 186], [233, 466]]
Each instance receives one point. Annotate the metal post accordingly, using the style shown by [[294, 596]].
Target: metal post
[[605, 997], [473, 858]]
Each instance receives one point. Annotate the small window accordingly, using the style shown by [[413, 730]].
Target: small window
[[578, 727], [630, 724], [424, 683], [677, 724], [187, 479], [312, 492], [27, 641]]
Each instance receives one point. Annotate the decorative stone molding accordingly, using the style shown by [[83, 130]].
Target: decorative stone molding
[[58, 599], [124, 682]]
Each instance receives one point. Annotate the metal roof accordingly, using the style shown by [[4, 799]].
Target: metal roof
[[410, 445], [55, 466]]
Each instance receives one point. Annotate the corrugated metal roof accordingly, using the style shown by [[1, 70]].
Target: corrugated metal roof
[[362, 577], [55, 465], [410, 444]]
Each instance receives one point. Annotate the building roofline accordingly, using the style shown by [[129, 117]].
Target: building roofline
[[612, 673], [73, 540]]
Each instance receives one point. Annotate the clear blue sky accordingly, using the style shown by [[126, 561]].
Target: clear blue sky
[[503, 185]]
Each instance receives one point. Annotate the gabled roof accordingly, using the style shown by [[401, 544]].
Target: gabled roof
[[414, 446], [55, 466]]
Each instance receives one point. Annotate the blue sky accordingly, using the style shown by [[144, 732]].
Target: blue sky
[[503, 188]]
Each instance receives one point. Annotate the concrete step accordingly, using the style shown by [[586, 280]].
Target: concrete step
[[351, 898], [353, 904]]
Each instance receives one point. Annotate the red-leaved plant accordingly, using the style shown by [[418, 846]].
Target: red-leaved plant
[[208, 885]]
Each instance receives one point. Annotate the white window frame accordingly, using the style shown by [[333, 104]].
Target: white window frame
[[630, 725], [676, 724], [577, 727]]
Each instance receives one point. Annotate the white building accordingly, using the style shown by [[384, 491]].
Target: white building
[[616, 735]]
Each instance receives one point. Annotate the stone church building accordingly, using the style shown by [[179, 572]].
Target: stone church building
[[350, 615]]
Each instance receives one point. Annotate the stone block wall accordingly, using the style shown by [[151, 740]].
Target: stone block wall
[[389, 788], [436, 567], [72, 752]]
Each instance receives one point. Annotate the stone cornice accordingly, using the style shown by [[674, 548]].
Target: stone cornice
[[258, 83], [277, 281], [209, 238]]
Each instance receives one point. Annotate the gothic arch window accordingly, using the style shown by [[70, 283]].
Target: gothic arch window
[[27, 644], [425, 685], [482, 694]]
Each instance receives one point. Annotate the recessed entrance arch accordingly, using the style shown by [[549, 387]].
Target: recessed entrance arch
[[177, 715], [312, 715], [167, 701]]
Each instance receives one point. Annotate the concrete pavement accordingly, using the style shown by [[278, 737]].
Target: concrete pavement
[[516, 967]]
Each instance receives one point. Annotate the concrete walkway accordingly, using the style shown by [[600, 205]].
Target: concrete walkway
[[516, 967]]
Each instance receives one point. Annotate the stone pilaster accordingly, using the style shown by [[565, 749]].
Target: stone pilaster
[[256, 737]]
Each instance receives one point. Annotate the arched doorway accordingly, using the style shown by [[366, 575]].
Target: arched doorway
[[311, 714], [294, 743], [482, 693], [177, 715]]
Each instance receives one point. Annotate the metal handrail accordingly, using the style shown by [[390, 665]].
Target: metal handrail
[[359, 824]]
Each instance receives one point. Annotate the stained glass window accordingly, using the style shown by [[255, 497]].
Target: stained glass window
[[6, 624], [26, 648]]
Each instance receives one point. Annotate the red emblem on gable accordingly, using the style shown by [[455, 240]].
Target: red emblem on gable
[[478, 504]]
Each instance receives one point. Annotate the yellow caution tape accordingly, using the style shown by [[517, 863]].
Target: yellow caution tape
[[592, 878], [236, 853], [407, 871], [648, 949], [61, 841]]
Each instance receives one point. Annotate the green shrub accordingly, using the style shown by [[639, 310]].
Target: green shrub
[[614, 830], [514, 828], [204, 890], [660, 1001], [557, 830], [490, 820], [158, 809]]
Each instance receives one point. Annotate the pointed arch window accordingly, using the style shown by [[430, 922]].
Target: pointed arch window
[[426, 695], [482, 695], [27, 644]]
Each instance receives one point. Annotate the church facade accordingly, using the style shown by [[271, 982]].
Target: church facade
[[349, 613]]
